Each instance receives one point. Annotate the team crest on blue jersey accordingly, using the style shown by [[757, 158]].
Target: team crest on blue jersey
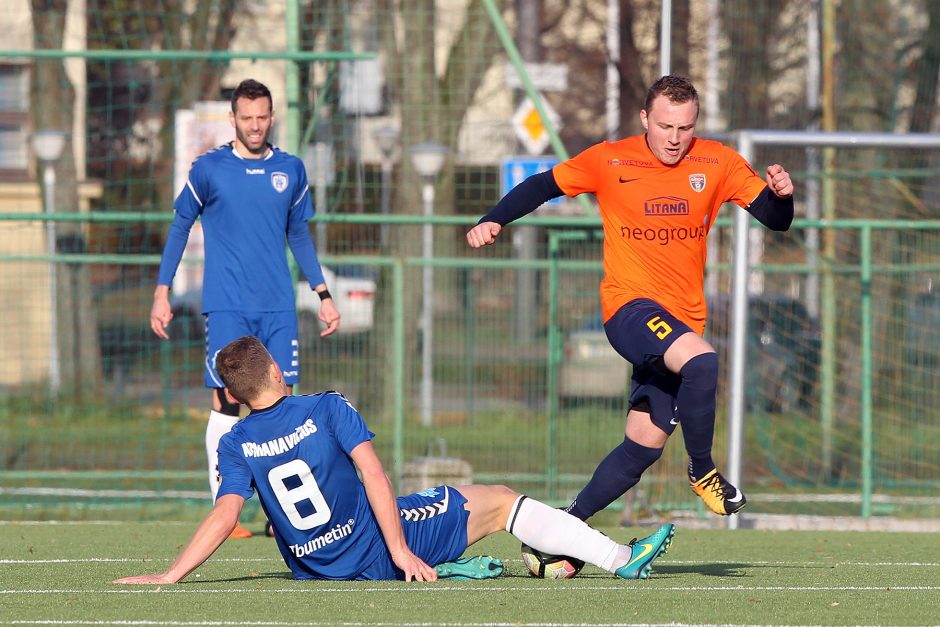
[[279, 181], [697, 181]]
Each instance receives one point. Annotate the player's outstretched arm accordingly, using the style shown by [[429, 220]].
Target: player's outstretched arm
[[385, 507], [521, 200], [161, 312], [209, 536]]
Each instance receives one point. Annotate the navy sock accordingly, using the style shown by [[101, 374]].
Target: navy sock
[[617, 473], [696, 411]]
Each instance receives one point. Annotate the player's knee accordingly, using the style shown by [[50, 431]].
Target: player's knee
[[639, 456], [225, 407], [701, 371], [506, 492], [503, 495], [502, 499]]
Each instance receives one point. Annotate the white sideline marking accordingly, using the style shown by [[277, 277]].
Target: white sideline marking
[[372, 623], [141, 560], [75, 523], [161, 589], [127, 494], [784, 563], [661, 561], [845, 498]]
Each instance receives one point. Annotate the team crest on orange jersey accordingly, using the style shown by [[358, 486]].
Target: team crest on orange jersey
[[697, 181]]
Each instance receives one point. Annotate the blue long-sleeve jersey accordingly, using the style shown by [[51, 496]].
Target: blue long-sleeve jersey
[[248, 208]]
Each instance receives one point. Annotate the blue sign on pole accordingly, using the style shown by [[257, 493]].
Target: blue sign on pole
[[514, 170]]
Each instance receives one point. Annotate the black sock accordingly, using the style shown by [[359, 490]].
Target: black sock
[[617, 473], [696, 410]]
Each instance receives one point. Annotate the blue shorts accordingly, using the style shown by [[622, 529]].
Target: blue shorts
[[435, 525], [277, 330], [642, 331]]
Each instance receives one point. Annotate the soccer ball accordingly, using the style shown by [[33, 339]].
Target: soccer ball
[[547, 566]]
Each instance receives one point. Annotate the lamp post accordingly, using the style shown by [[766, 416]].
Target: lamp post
[[48, 145], [428, 159], [386, 137], [319, 159]]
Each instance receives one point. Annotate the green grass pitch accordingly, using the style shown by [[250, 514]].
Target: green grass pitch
[[60, 573]]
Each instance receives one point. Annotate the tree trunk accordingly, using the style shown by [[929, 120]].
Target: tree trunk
[[432, 108], [633, 83], [53, 97], [681, 14], [748, 25]]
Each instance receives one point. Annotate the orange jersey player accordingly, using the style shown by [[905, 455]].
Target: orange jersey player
[[659, 194], [656, 217]]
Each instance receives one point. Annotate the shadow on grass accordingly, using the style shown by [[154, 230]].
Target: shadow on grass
[[709, 570], [252, 577]]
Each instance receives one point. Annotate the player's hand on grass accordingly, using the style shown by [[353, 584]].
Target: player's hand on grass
[[778, 180], [483, 234], [328, 316], [161, 313], [413, 566], [146, 579]]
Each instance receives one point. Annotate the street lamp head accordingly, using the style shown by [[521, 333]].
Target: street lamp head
[[387, 139], [428, 158], [48, 144]]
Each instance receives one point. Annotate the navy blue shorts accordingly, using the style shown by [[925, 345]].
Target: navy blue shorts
[[642, 331], [435, 525], [277, 330]]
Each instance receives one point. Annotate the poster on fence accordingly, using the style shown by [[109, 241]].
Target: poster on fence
[[198, 130]]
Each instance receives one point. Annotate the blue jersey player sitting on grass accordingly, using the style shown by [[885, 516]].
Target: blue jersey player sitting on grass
[[301, 454]]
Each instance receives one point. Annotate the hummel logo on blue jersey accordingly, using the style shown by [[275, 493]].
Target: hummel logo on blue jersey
[[254, 170]]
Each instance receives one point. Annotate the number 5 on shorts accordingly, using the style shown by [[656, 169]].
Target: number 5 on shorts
[[660, 327]]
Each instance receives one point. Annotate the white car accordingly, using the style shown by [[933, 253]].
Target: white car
[[591, 368], [353, 294]]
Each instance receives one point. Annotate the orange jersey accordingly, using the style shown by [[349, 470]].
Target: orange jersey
[[656, 218]]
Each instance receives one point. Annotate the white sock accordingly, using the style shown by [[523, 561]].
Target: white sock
[[557, 532], [219, 424]]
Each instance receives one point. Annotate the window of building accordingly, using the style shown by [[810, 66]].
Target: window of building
[[14, 107]]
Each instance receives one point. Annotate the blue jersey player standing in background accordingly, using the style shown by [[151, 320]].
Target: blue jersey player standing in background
[[302, 454], [251, 197]]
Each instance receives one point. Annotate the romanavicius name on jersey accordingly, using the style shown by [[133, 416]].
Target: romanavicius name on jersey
[[281, 444]]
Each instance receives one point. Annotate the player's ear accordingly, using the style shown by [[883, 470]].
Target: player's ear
[[644, 120], [275, 371], [231, 399], [231, 118]]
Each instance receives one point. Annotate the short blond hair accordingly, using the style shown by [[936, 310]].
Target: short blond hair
[[676, 89]]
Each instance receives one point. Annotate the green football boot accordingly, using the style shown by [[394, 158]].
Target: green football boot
[[645, 551], [476, 567]]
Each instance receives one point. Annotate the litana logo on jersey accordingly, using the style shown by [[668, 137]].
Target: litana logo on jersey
[[279, 181], [666, 206], [697, 182]]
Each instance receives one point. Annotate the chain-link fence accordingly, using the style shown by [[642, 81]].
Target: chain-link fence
[[98, 414]]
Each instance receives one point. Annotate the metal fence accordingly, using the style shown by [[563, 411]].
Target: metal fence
[[536, 411], [828, 395]]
